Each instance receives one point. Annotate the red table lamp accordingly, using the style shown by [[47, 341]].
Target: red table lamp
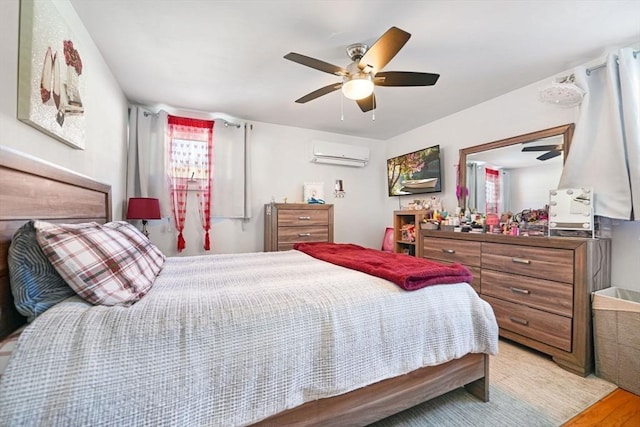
[[143, 208]]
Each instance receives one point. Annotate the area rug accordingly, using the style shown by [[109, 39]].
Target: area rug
[[526, 389]]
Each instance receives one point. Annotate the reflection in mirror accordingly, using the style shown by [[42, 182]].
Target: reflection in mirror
[[514, 174]]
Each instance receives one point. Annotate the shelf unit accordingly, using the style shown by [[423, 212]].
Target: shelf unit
[[403, 243]]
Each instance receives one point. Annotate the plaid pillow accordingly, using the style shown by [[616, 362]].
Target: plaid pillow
[[140, 241], [103, 264]]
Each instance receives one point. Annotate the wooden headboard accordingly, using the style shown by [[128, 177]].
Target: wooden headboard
[[34, 189]]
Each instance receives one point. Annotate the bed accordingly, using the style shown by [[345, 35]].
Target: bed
[[34, 189]]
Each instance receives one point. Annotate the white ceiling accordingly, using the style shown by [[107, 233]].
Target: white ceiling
[[227, 56]]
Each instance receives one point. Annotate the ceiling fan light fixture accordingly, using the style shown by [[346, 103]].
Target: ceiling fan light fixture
[[357, 86]]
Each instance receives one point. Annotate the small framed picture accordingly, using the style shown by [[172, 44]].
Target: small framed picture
[[313, 192]]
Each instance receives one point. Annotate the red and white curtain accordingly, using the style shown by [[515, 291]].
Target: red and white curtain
[[492, 191], [190, 162]]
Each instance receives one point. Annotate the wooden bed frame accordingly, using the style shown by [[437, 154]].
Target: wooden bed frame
[[33, 189]]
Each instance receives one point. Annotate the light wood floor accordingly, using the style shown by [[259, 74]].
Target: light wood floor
[[618, 409]]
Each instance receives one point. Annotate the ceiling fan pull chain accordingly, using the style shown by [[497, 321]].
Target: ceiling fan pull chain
[[342, 108], [373, 116]]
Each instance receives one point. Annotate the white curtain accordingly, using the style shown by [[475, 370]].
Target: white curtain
[[230, 172], [629, 63], [605, 150], [138, 156], [472, 184], [145, 162]]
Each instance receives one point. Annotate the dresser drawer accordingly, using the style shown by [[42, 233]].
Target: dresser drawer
[[544, 263], [556, 297], [302, 217], [302, 234], [539, 325], [452, 250]]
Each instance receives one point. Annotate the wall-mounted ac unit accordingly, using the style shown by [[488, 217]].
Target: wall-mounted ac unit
[[340, 154]]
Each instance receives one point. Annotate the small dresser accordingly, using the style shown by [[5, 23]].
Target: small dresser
[[289, 223], [539, 287]]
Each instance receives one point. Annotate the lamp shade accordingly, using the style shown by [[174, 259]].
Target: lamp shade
[[143, 208]]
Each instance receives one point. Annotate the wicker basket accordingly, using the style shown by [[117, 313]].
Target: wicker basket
[[616, 327]]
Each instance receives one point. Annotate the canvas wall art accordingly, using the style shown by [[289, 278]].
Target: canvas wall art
[[313, 192], [51, 75]]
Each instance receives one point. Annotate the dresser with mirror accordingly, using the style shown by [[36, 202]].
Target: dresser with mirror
[[539, 287]]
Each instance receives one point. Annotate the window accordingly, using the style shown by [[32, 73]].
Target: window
[[189, 159]]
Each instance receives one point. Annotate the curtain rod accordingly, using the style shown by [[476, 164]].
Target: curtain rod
[[604, 64], [226, 123]]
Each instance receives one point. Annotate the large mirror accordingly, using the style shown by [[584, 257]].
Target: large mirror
[[514, 174]]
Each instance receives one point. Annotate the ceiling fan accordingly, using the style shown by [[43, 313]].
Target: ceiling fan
[[364, 72], [551, 151]]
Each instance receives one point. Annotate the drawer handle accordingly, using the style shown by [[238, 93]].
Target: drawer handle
[[304, 218], [520, 291], [518, 320], [449, 251], [304, 234], [521, 261]]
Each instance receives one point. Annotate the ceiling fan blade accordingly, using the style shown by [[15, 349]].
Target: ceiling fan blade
[[383, 50], [316, 64], [543, 148], [405, 78], [318, 93], [550, 155], [368, 103]]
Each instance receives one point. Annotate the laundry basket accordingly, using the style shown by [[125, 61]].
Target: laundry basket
[[616, 330]]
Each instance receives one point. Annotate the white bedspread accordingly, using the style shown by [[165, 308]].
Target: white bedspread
[[231, 339]]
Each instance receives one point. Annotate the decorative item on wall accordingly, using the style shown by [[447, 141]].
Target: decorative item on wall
[[563, 92], [339, 189], [313, 192], [51, 78]]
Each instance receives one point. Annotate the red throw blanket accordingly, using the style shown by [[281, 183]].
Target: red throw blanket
[[408, 272]]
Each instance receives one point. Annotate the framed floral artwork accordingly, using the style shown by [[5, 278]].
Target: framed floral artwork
[[51, 74]]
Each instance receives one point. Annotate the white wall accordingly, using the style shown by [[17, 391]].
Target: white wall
[[280, 165], [104, 158], [514, 113]]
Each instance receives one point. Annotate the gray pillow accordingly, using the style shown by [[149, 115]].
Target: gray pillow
[[35, 283]]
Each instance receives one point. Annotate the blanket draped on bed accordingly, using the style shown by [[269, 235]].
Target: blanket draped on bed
[[410, 273], [227, 340]]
